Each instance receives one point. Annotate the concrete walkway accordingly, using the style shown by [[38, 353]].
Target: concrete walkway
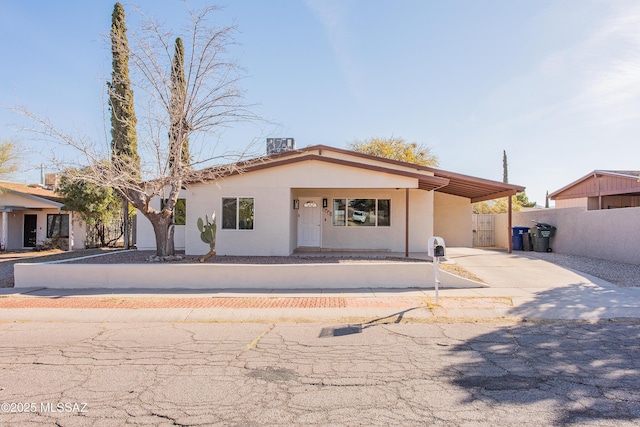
[[518, 287]]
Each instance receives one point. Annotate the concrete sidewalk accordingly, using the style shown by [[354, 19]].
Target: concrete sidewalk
[[518, 287]]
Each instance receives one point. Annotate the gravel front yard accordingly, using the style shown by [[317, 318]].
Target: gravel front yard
[[142, 257], [621, 274]]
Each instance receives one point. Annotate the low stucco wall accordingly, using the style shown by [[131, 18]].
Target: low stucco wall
[[221, 276], [611, 234]]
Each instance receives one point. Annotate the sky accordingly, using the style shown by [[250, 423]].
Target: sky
[[555, 84]]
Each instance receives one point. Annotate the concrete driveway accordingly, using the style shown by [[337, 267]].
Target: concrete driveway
[[540, 289]]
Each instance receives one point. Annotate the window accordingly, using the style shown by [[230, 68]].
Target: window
[[338, 211], [384, 213], [179, 211], [362, 212], [57, 225], [237, 213]]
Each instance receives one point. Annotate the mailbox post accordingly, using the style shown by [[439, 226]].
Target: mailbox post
[[436, 249]]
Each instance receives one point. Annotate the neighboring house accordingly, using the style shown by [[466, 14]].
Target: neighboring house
[[32, 216], [323, 198], [601, 189]]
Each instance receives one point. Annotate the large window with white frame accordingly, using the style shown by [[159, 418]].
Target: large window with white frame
[[361, 212], [237, 213]]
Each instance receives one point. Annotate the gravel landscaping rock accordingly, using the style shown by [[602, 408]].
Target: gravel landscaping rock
[[620, 273], [143, 257]]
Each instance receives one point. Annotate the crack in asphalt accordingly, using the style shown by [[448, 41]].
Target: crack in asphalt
[[409, 374]]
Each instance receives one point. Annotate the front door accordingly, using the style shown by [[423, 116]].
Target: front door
[[309, 222], [30, 229]]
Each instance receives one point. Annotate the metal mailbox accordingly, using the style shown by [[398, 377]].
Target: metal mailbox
[[436, 247]]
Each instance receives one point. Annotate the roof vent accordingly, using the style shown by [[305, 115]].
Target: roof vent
[[280, 145]]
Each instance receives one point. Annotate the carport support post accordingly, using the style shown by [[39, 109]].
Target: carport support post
[[406, 228], [509, 221], [5, 231]]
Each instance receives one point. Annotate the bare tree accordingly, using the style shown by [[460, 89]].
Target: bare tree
[[212, 101]]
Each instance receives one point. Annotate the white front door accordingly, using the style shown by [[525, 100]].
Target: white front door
[[309, 222]]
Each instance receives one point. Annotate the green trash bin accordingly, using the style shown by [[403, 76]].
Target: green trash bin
[[541, 233]]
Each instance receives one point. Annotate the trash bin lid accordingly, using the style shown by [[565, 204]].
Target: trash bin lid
[[517, 231], [543, 226]]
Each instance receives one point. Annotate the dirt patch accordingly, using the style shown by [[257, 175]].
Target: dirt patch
[[461, 272]]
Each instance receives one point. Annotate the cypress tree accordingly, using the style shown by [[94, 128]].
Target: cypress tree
[[505, 173], [124, 140], [124, 144], [178, 132]]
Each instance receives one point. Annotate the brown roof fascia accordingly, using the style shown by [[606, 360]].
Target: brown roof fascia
[[320, 148], [492, 196], [495, 188], [437, 172], [432, 182]]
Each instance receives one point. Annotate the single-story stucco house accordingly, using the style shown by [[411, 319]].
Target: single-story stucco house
[[323, 198], [33, 215], [601, 189]]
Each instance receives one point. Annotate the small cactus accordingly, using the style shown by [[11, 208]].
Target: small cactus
[[208, 234]]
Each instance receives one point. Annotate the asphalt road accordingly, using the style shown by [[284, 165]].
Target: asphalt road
[[260, 374]]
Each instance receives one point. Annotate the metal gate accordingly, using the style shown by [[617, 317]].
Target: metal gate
[[483, 230]]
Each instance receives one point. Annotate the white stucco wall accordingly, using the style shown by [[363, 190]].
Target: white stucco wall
[[77, 232], [275, 222], [224, 276], [611, 234], [453, 219], [275, 227], [270, 234], [421, 220], [390, 238], [145, 239]]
